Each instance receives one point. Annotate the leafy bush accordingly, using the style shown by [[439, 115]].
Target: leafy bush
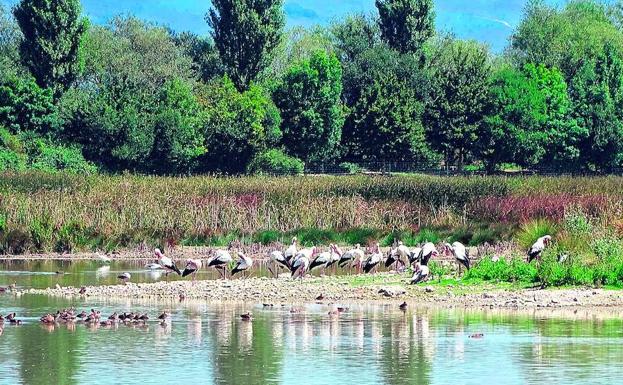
[[275, 162], [11, 161], [70, 237], [576, 222], [310, 237], [51, 158], [350, 168], [362, 236], [438, 270], [267, 237]]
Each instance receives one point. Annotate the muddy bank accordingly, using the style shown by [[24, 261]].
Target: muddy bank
[[381, 287]]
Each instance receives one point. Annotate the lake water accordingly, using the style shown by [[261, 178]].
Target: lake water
[[368, 344], [41, 274]]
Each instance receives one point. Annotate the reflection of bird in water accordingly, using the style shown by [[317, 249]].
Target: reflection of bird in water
[[102, 272], [155, 275], [154, 266], [195, 330]]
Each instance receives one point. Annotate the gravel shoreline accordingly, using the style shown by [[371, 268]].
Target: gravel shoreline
[[385, 288]]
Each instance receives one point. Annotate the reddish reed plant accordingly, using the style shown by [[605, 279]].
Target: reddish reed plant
[[520, 209]]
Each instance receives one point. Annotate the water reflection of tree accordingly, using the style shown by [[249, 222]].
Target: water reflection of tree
[[569, 348], [48, 355], [246, 352], [406, 351]]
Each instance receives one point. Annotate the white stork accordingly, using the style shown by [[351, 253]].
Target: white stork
[[167, 263], [290, 251], [373, 260], [428, 251], [336, 255], [277, 258], [243, 265], [192, 266], [103, 258], [322, 260], [459, 252], [414, 254], [300, 265], [538, 247], [309, 253], [420, 273], [220, 261], [353, 256]]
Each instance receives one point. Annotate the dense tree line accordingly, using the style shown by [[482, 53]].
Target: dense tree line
[[253, 97]]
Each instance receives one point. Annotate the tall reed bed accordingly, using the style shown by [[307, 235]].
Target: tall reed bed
[[40, 212]]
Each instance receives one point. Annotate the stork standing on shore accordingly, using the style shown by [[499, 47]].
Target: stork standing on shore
[[290, 252], [354, 257], [336, 255], [537, 248], [459, 252], [373, 260], [428, 251], [414, 254], [220, 261], [277, 259], [192, 266], [243, 265], [167, 263], [300, 265], [325, 259]]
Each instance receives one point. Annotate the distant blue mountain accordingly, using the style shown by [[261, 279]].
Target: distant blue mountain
[[490, 21]]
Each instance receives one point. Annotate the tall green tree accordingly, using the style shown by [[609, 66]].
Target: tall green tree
[[530, 121], [116, 112], [460, 98], [597, 96], [406, 24], [563, 37], [203, 51], [309, 100], [384, 92], [53, 32], [178, 140], [237, 126], [246, 33]]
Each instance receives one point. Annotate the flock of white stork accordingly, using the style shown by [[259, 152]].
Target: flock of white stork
[[300, 261]]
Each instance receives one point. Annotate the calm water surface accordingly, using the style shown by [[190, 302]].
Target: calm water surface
[[41, 273], [368, 344]]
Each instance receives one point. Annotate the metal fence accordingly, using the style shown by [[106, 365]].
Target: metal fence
[[434, 168]]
